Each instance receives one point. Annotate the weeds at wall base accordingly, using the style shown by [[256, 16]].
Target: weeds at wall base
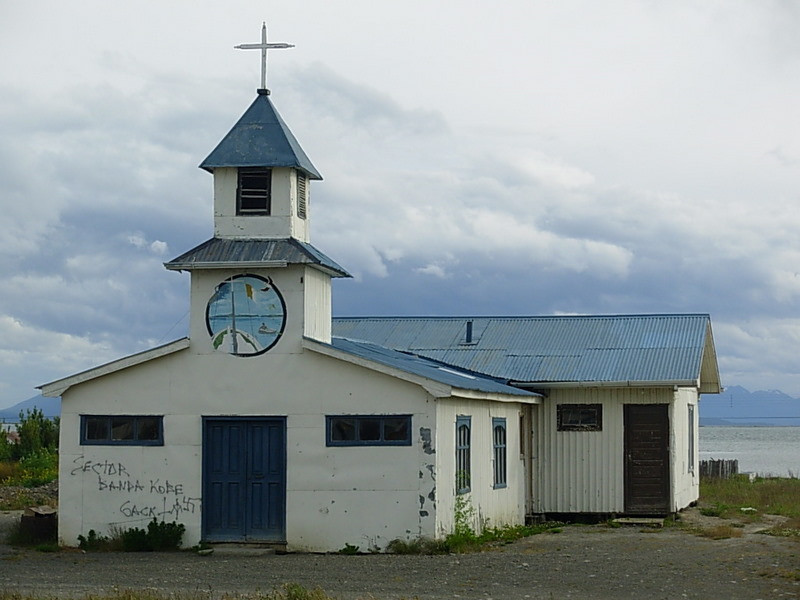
[[464, 539], [160, 536]]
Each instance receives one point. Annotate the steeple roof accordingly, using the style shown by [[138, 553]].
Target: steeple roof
[[260, 139], [218, 253]]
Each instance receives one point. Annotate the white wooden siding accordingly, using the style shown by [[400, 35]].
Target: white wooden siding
[[685, 480], [491, 506], [583, 471], [317, 306]]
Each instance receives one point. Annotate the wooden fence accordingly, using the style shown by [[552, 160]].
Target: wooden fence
[[722, 469]]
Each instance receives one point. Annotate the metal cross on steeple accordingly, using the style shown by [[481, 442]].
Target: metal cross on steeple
[[264, 46]]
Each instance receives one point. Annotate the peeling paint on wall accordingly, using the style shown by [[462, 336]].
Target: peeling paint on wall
[[425, 435], [432, 470]]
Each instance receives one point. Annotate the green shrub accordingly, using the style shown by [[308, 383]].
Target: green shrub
[[35, 469], [36, 433], [165, 536], [93, 542], [135, 540], [348, 549], [420, 545], [158, 537], [715, 510]]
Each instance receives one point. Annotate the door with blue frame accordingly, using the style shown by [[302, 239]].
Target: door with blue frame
[[244, 479]]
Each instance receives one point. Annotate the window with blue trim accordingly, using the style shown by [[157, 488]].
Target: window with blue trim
[[368, 430], [500, 453], [463, 454], [122, 430]]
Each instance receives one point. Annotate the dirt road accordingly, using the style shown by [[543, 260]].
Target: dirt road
[[580, 562]]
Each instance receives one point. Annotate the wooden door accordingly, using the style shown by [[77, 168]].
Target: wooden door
[[244, 480], [647, 472]]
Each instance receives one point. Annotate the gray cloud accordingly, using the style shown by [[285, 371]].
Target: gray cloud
[[576, 160]]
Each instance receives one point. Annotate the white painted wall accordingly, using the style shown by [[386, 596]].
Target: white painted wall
[[282, 223], [685, 476], [490, 506], [317, 305], [365, 496]]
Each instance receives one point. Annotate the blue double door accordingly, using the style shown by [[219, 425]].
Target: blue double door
[[244, 479]]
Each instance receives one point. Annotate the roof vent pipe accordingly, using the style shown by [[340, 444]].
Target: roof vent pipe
[[469, 332]]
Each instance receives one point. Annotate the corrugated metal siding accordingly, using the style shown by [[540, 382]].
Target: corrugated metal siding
[[626, 348], [585, 472], [496, 507]]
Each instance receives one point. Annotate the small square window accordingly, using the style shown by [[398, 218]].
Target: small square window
[[580, 417], [368, 430], [254, 191]]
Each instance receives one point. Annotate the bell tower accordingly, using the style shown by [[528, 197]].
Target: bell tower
[[262, 178], [259, 285]]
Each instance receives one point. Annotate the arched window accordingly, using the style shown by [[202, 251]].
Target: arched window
[[500, 454], [463, 459]]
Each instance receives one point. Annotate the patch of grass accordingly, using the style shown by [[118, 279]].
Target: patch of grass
[[718, 509], [48, 547], [720, 532], [790, 528], [420, 545], [465, 540], [21, 536], [769, 495], [790, 574]]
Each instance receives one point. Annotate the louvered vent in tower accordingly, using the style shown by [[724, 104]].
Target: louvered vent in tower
[[302, 195]]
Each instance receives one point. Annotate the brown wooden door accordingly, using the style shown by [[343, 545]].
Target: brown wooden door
[[647, 459]]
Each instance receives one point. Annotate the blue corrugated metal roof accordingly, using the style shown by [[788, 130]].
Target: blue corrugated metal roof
[[423, 367], [220, 251], [260, 139], [618, 348]]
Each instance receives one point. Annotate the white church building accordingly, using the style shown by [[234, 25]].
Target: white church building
[[275, 423]]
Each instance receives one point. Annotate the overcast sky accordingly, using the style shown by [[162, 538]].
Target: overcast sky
[[480, 158]]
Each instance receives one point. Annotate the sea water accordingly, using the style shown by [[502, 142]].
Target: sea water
[[762, 450]]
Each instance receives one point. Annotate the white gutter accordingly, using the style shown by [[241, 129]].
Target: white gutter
[[604, 384], [188, 266]]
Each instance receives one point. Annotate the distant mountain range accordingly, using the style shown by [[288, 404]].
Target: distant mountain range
[[736, 406], [50, 407]]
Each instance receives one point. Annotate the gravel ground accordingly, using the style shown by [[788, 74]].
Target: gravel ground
[[580, 562]]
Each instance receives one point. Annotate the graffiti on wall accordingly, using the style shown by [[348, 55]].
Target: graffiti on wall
[[139, 498]]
